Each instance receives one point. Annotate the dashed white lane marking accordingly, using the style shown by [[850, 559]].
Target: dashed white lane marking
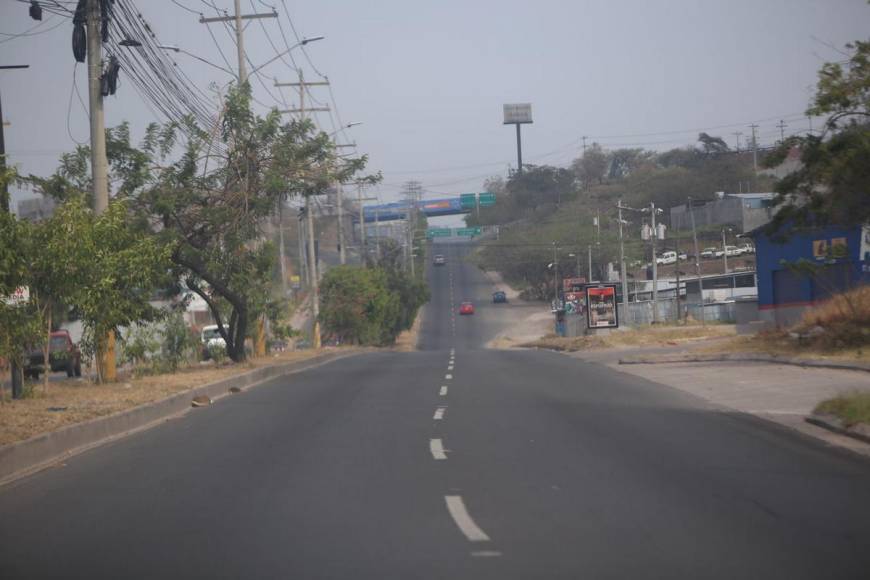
[[443, 391], [449, 367], [439, 413], [448, 377], [486, 554], [437, 449], [466, 525]]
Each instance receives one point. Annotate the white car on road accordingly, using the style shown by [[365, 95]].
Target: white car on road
[[667, 258]]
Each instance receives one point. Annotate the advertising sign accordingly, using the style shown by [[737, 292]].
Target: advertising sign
[[20, 296], [601, 311], [573, 284], [517, 113]]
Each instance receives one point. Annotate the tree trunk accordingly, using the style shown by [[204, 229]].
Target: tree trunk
[[46, 350]]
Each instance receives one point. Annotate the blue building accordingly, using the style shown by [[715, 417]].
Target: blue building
[[841, 253]]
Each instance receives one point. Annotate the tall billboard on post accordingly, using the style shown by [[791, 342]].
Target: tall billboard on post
[[517, 113]]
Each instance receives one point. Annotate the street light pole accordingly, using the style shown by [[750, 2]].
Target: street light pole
[[724, 251], [622, 272], [697, 262]]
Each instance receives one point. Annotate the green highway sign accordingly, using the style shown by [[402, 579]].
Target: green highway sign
[[468, 200], [467, 231], [438, 232], [486, 199]]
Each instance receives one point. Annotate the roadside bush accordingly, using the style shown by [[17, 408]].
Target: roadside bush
[[369, 306], [179, 343]]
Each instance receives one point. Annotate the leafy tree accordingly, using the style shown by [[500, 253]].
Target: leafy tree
[[592, 166], [833, 184], [357, 305], [712, 145]]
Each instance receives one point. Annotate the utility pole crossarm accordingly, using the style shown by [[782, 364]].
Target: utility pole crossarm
[[306, 110], [207, 20], [307, 84]]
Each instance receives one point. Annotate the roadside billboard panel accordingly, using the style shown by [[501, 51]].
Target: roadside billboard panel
[[601, 310]]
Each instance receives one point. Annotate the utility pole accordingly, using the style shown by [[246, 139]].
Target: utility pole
[[555, 278], [312, 275], [17, 379], [589, 249], [754, 148], [584, 144], [303, 85], [413, 189], [99, 163], [281, 247], [652, 211], [303, 266], [782, 125], [341, 253], [236, 19], [698, 258], [677, 271], [622, 272], [737, 135], [724, 251]]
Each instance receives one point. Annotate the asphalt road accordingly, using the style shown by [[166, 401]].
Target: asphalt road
[[450, 462]]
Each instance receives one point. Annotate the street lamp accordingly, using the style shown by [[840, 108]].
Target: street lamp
[[302, 42], [199, 58]]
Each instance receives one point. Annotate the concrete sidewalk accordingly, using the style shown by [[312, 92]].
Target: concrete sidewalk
[[785, 394]]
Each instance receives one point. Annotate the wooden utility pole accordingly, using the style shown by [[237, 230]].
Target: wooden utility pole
[[6, 205]]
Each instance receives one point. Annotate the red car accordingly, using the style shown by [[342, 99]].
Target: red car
[[466, 308]]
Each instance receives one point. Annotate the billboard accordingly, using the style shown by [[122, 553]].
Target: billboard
[[573, 284], [601, 310], [517, 113]]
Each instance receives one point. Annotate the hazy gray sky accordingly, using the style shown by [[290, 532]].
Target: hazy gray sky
[[428, 79]]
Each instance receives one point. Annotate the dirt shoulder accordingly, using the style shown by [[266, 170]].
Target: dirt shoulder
[[74, 401], [407, 339], [648, 336]]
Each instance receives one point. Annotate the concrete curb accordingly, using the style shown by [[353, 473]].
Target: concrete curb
[[31, 455], [801, 362], [860, 431]]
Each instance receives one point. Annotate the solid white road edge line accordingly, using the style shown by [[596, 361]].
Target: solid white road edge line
[[466, 525], [437, 449]]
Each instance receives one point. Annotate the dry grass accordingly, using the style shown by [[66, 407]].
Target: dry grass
[[407, 339], [662, 335], [838, 329], [841, 322], [73, 401], [852, 409], [779, 343]]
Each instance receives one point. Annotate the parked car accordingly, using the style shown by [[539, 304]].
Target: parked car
[[667, 258], [439, 260], [211, 338], [499, 297], [466, 308], [719, 252], [683, 256], [733, 251], [63, 355], [709, 253], [747, 248]]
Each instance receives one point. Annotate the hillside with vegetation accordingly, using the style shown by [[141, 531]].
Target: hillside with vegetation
[[549, 213]]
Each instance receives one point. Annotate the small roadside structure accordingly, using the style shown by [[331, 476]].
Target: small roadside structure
[[799, 267]]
